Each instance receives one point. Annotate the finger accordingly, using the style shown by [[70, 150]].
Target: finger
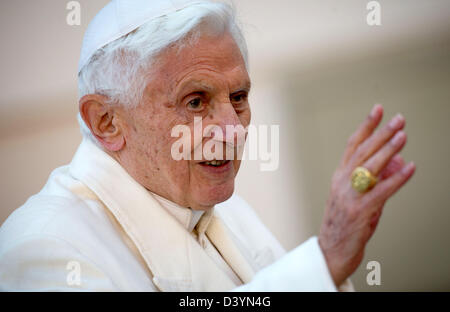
[[380, 159], [377, 140], [386, 188], [363, 132], [395, 164]]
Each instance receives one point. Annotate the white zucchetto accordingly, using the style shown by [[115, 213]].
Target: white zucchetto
[[120, 17]]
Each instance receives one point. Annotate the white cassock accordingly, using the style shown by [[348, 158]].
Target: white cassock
[[93, 227]]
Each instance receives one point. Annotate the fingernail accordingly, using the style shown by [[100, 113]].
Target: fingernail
[[396, 122], [408, 168], [374, 111], [398, 138]]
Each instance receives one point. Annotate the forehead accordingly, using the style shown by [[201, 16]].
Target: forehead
[[207, 58]]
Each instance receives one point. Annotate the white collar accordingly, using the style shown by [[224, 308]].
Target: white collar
[[187, 217]]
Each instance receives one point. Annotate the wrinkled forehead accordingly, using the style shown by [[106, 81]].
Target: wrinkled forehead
[[214, 57]]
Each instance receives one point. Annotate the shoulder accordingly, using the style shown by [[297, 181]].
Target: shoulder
[[64, 209], [46, 214], [35, 216], [63, 205], [58, 226]]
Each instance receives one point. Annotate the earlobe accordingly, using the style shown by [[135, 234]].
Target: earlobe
[[101, 119], [114, 146]]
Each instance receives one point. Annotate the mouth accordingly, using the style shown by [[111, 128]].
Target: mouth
[[217, 168], [215, 163]]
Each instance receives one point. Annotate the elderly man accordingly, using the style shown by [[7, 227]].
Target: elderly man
[[125, 215]]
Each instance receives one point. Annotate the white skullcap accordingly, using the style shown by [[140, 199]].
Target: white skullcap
[[120, 17]]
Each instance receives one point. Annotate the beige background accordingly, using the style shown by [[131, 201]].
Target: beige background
[[317, 69]]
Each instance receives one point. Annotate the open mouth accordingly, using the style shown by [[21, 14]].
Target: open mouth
[[215, 163]]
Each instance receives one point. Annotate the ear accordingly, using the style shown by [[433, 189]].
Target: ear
[[101, 119]]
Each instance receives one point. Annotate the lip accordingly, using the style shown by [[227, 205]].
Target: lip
[[225, 168]]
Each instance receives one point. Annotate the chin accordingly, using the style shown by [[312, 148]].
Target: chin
[[210, 195]]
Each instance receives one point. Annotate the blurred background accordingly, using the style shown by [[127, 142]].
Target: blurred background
[[317, 69]]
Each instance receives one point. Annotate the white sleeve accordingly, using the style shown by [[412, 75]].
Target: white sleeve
[[302, 269]]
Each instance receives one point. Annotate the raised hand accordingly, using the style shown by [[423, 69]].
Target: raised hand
[[351, 217]]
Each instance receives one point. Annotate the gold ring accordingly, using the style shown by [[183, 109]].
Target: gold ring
[[363, 180]]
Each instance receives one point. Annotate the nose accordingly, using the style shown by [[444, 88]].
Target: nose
[[225, 119]]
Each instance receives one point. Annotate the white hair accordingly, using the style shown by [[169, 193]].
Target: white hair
[[116, 70]]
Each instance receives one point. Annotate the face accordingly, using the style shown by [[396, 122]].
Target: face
[[207, 80]]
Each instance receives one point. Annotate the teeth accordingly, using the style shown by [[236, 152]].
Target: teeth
[[215, 162]]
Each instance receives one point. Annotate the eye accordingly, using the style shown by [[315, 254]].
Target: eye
[[239, 97], [239, 100], [195, 104]]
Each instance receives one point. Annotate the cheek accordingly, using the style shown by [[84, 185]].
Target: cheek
[[176, 171], [151, 134], [175, 179], [143, 141], [245, 117]]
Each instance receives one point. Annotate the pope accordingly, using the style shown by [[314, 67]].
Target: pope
[[129, 217]]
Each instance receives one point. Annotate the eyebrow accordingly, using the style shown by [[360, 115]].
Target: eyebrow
[[196, 83], [247, 86]]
